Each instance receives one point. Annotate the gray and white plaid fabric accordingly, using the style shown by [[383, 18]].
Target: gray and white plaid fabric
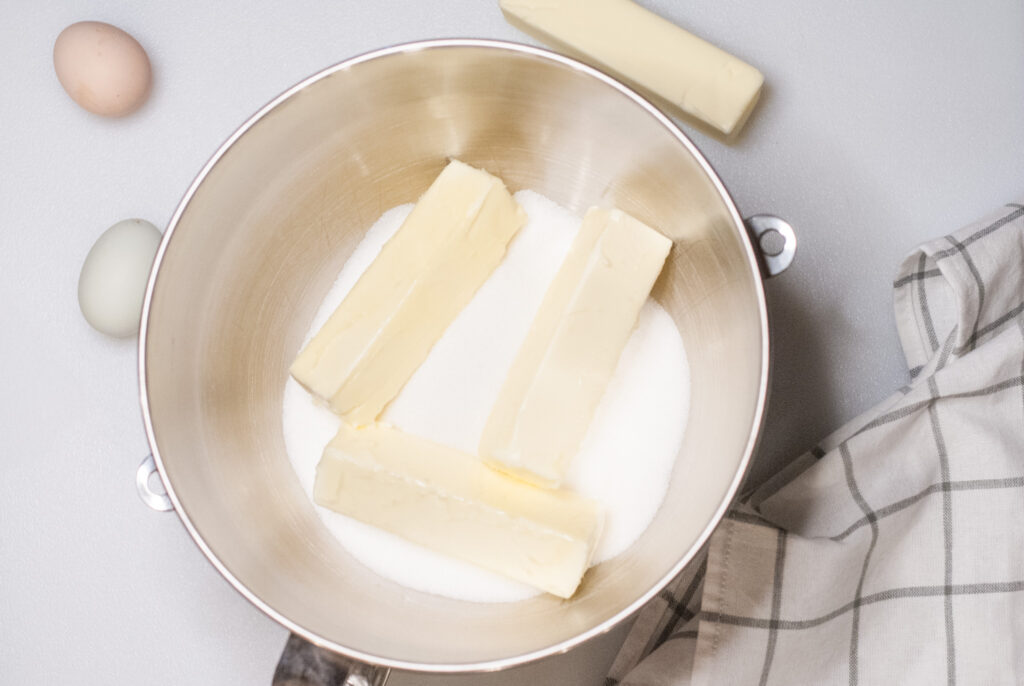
[[893, 552]]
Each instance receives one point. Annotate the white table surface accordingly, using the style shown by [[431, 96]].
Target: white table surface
[[883, 124]]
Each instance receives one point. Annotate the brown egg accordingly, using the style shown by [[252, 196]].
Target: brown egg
[[102, 68]]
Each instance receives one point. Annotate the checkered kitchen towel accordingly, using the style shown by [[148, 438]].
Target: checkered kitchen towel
[[892, 553]]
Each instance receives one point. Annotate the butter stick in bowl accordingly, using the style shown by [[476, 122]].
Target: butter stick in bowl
[[454, 504]]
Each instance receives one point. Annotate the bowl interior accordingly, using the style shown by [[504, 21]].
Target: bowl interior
[[260, 240]]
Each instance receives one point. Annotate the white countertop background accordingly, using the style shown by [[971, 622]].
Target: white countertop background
[[883, 124]]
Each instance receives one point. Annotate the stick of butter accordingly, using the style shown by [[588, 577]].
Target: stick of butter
[[570, 352], [451, 502], [422, 278], [648, 52]]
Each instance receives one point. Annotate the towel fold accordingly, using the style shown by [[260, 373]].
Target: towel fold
[[892, 552]]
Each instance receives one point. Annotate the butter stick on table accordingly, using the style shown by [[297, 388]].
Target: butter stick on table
[[452, 503], [422, 278], [558, 376], [647, 52]]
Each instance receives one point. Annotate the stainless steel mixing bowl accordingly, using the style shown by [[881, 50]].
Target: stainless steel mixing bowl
[[264, 229]]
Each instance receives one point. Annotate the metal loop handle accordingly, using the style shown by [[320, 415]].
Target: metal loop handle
[[304, 664], [160, 502], [762, 224]]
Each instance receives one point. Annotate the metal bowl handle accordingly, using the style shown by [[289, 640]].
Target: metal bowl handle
[[160, 502], [304, 664], [762, 226]]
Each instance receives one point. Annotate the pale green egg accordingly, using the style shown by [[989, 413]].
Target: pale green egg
[[112, 284]]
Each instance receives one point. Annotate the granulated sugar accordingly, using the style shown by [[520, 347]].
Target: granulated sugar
[[624, 462]]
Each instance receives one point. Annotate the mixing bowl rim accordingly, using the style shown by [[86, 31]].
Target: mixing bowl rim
[[641, 599]]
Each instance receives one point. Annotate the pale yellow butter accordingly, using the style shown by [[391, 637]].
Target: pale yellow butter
[[423, 277], [648, 52], [452, 503], [570, 352]]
